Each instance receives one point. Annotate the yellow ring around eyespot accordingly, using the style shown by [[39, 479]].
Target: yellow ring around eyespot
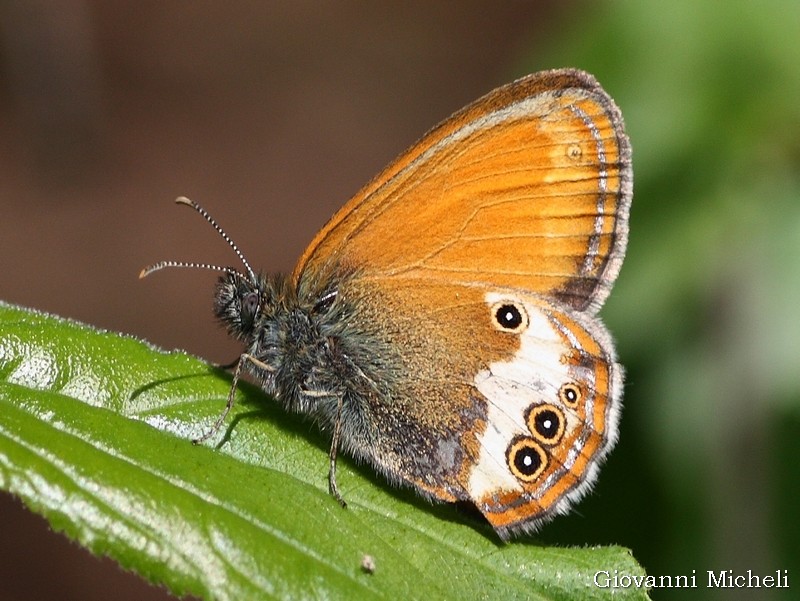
[[571, 394], [536, 411], [516, 463], [512, 311]]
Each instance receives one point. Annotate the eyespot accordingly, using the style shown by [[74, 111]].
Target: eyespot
[[526, 459], [509, 316], [546, 423], [570, 394], [574, 152]]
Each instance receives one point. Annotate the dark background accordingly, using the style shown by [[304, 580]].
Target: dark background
[[272, 114]]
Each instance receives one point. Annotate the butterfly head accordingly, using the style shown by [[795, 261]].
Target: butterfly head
[[240, 296], [238, 301]]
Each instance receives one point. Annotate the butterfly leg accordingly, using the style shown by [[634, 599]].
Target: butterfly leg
[[337, 432], [231, 395]]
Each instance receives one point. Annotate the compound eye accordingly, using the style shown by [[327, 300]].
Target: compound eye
[[249, 304]]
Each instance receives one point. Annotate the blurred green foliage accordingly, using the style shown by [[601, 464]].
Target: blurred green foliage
[[706, 308]]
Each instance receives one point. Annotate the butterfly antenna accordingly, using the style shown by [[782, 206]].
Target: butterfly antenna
[[161, 265]]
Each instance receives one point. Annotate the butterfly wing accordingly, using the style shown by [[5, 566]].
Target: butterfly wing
[[552, 414], [491, 395], [529, 187], [477, 261]]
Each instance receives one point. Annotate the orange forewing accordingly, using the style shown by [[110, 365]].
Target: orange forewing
[[526, 188]]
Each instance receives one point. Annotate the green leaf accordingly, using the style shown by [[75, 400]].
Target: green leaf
[[95, 432]]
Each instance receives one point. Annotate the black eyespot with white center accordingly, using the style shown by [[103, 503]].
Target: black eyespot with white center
[[570, 394], [509, 316], [526, 459], [546, 423]]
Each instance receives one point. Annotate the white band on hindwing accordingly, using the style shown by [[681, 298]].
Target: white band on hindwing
[[534, 376]]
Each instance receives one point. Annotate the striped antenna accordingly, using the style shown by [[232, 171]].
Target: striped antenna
[[162, 264]]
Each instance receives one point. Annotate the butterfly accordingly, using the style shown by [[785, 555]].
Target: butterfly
[[442, 326]]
